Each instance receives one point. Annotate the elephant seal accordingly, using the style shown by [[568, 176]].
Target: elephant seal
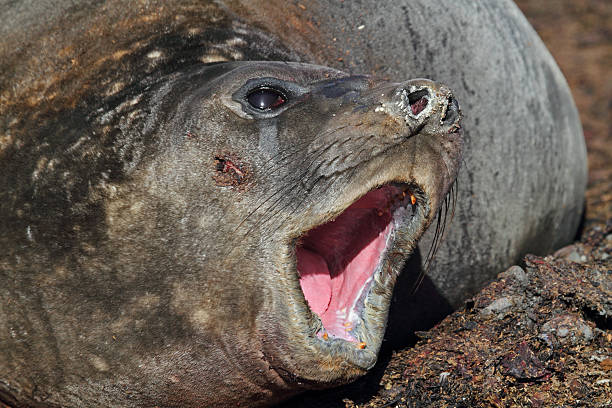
[[218, 234], [148, 244]]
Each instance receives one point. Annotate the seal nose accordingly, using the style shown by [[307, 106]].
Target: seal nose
[[418, 100], [427, 104]]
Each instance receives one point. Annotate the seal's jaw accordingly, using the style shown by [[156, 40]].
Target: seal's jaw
[[342, 261]]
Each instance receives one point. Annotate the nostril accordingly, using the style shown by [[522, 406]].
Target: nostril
[[452, 111], [418, 100]]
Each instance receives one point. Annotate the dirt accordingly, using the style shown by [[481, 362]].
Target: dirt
[[540, 335]]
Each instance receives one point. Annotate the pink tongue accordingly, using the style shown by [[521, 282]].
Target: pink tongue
[[335, 260], [314, 280], [332, 299]]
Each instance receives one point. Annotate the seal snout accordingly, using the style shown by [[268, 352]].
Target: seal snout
[[426, 104]]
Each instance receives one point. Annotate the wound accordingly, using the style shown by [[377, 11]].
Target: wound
[[231, 171]]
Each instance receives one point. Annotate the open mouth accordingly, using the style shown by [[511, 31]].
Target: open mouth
[[338, 260]]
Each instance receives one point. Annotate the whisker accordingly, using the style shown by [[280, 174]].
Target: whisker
[[264, 175], [450, 200], [286, 187], [275, 161], [327, 187]]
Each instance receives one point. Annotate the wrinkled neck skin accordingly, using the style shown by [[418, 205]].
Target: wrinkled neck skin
[[182, 282]]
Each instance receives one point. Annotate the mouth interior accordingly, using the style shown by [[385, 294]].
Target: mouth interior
[[336, 261]]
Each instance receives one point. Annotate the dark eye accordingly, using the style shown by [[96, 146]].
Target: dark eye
[[266, 99]]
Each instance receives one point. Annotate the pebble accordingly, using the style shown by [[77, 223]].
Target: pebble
[[569, 329]]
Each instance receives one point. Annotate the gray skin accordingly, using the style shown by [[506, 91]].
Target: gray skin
[[117, 294]]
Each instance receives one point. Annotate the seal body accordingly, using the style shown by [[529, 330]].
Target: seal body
[[159, 230]]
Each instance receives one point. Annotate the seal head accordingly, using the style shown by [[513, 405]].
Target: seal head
[[250, 246], [362, 179]]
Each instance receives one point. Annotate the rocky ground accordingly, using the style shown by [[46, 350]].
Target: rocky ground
[[541, 334]]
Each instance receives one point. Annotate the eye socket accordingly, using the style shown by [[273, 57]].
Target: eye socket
[[266, 99]]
